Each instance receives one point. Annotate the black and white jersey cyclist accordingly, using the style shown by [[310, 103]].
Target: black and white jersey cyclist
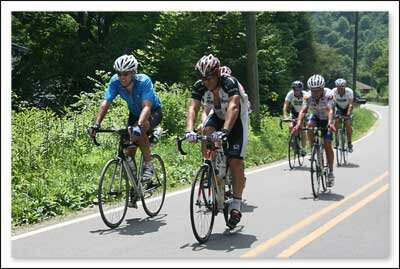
[[228, 118], [321, 103], [294, 101], [343, 97]]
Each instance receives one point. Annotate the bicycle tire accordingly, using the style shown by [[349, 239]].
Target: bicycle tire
[[153, 198], [113, 194], [201, 207], [315, 171], [300, 158], [345, 150], [324, 171], [339, 148], [292, 151]]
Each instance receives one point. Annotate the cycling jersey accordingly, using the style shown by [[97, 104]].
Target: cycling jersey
[[320, 107], [142, 90], [229, 86], [342, 101], [295, 102]]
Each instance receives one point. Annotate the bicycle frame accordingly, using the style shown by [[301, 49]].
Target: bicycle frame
[[209, 162]]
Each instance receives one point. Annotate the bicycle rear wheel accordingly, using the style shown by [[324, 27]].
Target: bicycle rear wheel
[[345, 150], [113, 193], [316, 172], [300, 158], [292, 151], [202, 204], [154, 196]]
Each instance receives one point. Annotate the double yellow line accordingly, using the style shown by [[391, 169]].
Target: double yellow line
[[301, 243]]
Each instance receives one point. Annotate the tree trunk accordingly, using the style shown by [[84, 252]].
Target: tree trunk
[[355, 52], [252, 68]]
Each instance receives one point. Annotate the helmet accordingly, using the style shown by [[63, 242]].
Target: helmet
[[340, 82], [207, 65], [297, 84], [126, 63], [225, 70], [316, 81]]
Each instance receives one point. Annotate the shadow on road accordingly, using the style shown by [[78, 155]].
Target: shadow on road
[[349, 165], [136, 226], [327, 196], [246, 207], [227, 241]]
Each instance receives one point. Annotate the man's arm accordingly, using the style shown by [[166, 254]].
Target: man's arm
[[232, 111], [146, 111], [302, 112], [102, 111], [191, 114], [285, 107], [350, 110]]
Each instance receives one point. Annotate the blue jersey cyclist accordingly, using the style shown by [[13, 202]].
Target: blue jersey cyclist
[[144, 106], [322, 104]]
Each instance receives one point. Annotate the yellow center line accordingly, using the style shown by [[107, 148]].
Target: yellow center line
[[331, 223], [281, 236]]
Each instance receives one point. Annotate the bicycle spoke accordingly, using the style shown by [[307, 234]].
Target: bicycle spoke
[[113, 193]]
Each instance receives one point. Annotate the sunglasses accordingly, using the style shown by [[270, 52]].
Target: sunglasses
[[208, 77], [297, 89], [124, 74]]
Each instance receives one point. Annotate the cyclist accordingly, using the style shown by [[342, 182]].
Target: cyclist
[[144, 106], [321, 102], [228, 118], [207, 108], [294, 100], [344, 106]]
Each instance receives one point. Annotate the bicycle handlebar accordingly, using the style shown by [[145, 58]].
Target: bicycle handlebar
[[119, 131], [179, 141], [286, 120]]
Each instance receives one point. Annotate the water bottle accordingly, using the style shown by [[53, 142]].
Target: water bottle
[[220, 162], [156, 136], [131, 165]]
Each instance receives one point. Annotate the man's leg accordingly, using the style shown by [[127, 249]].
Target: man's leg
[[349, 130]]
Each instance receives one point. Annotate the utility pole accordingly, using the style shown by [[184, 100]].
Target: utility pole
[[252, 67], [355, 52]]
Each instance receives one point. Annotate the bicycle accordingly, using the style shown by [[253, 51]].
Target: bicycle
[[342, 151], [293, 146], [319, 162], [211, 190], [119, 182]]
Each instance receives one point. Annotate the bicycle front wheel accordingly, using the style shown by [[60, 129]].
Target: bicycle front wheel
[[292, 151], [316, 171], [112, 193], [300, 158], [202, 204], [339, 149], [345, 150], [154, 195]]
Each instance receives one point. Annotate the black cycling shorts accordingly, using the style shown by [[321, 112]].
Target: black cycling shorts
[[237, 138], [155, 118]]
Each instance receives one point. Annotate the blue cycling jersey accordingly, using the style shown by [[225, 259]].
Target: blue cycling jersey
[[142, 90]]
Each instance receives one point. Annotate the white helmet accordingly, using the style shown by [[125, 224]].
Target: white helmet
[[207, 65], [225, 70], [340, 82], [126, 63], [316, 81]]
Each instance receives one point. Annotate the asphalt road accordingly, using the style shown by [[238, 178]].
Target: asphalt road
[[280, 218]]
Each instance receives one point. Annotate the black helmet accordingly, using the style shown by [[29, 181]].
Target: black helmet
[[297, 84]]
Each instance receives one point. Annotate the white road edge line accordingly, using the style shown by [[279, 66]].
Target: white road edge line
[[62, 224]]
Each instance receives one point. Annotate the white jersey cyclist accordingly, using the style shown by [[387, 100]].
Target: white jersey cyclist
[[230, 86], [342, 101], [295, 102], [320, 107]]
